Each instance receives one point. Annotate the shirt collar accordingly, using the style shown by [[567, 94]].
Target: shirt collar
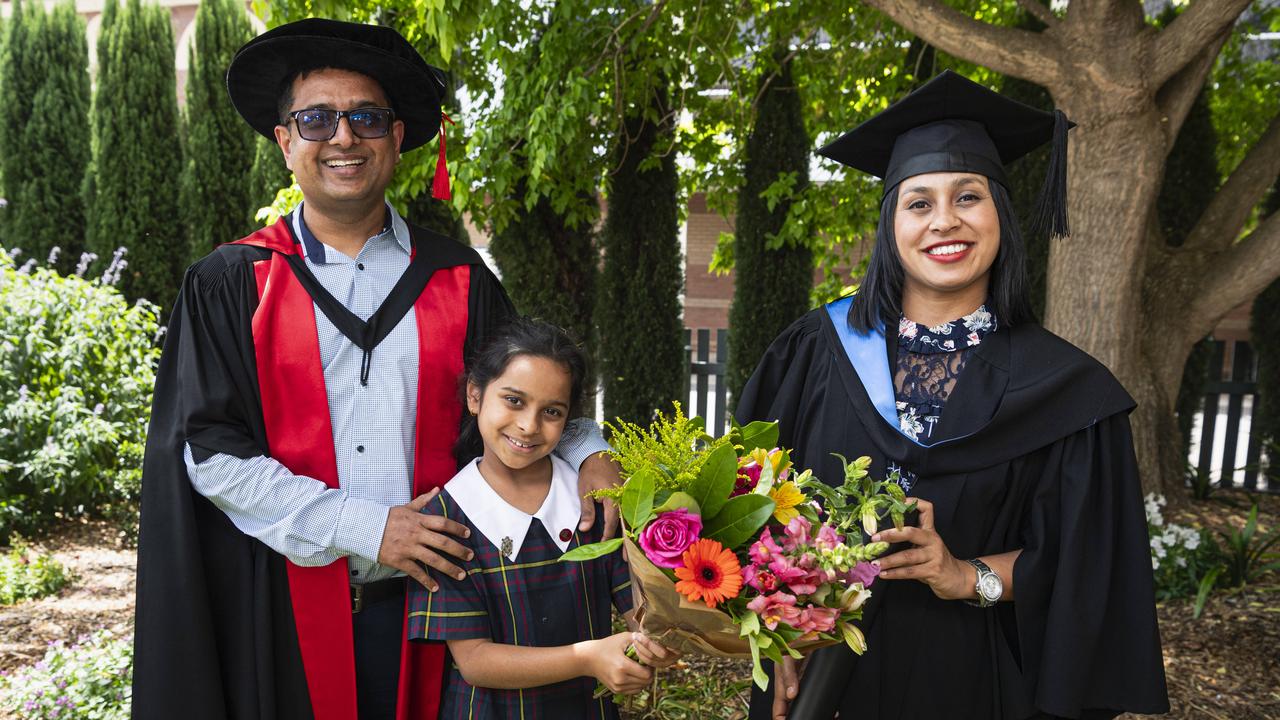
[[505, 526], [959, 334], [318, 253]]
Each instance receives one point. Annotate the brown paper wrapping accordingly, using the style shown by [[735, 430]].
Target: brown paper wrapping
[[668, 617]]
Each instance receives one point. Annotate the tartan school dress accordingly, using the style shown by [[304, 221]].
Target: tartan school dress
[[524, 596]]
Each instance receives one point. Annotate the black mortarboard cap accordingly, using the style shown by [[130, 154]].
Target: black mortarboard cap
[[259, 69], [952, 124]]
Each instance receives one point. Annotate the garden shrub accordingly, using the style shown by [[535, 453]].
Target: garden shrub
[[89, 680], [77, 367], [1181, 556], [26, 575]]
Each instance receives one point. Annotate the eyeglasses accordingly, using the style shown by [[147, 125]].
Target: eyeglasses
[[320, 124]]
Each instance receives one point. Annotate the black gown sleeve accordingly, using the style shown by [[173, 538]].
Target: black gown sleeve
[[1083, 591], [214, 634]]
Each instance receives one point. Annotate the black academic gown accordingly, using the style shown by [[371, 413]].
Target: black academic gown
[[215, 637], [1033, 451]]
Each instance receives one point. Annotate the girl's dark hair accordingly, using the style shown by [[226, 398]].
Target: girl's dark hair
[[879, 298], [520, 336]]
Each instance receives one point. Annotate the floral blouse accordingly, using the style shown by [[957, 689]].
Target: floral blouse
[[929, 362]]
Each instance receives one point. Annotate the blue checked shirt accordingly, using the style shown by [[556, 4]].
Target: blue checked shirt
[[373, 426]]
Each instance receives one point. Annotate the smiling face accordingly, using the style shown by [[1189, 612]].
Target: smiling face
[[346, 174], [948, 235], [522, 412]]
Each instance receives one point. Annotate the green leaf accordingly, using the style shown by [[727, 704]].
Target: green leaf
[[1206, 587], [738, 520], [715, 481], [678, 500], [759, 435], [748, 624], [637, 499], [757, 671], [582, 553]]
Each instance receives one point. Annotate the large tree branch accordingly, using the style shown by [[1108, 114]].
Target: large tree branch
[[1230, 207], [1179, 94], [1029, 55], [1237, 274], [1184, 38], [1040, 11]]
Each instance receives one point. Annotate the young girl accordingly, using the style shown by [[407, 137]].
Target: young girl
[[528, 635]]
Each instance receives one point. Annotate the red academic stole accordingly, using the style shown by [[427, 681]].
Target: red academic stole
[[300, 435]]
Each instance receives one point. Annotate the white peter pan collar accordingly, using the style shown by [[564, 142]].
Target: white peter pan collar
[[505, 526]]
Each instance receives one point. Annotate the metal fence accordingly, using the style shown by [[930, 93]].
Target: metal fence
[[704, 384], [1224, 446]]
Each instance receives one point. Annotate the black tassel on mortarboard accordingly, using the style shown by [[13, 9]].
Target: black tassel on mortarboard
[[1050, 215]]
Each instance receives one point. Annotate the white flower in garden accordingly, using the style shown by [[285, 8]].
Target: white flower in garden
[[97, 409], [1180, 561], [1155, 564]]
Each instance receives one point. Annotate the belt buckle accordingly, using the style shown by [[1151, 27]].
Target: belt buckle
[[357, 598]]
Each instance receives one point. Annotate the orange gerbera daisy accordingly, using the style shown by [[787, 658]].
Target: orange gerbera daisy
[[710, 573]]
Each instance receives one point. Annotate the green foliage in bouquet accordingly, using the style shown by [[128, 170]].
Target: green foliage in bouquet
[[77, 368], [674, 445]]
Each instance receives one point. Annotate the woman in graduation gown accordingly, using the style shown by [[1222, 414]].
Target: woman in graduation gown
[[1024, 590]]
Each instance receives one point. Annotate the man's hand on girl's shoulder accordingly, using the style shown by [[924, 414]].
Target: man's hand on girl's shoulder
[[598, 472], [411, 538]]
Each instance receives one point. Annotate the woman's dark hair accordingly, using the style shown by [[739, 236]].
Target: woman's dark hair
[[520, 336], [879, 298]]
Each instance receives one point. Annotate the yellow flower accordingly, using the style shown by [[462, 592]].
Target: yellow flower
[[785, 498]]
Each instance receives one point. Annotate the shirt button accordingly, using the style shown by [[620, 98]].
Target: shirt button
[[360, 266], [544, 619], [359, 448], [566, 535]]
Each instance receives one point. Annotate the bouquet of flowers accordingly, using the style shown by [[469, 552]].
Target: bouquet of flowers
[[735, 554]]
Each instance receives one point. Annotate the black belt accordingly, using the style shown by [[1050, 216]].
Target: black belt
[[362, 596]]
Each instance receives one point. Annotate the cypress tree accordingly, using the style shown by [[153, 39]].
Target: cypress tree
[[98, 117], [19, 80], [53, 147], [642, 363], [138, 155], [549, 268], [215, 191], [772, 279], [266, 176]]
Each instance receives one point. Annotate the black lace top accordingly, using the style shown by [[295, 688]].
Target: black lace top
[[929, 362]]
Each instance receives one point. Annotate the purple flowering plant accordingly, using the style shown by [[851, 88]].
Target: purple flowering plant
[[736, 554]]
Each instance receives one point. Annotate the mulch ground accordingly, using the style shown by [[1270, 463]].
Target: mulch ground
[[1224, 665]]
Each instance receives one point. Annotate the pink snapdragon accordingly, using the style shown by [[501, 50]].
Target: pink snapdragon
[[863, 572], [765, 550], [814, 619], [776, 608], [669, 535], [796, 535]]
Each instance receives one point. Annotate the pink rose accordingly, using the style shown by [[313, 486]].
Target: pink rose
[[669, 535]]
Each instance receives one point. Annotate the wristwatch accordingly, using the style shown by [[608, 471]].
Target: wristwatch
[[990, 587]]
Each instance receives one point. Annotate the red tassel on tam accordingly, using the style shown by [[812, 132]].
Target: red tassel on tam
[[440, 185]]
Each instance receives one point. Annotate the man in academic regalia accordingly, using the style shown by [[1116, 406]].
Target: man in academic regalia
[[306, 408]]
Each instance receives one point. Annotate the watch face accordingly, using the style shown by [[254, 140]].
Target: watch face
[[991, 586]]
